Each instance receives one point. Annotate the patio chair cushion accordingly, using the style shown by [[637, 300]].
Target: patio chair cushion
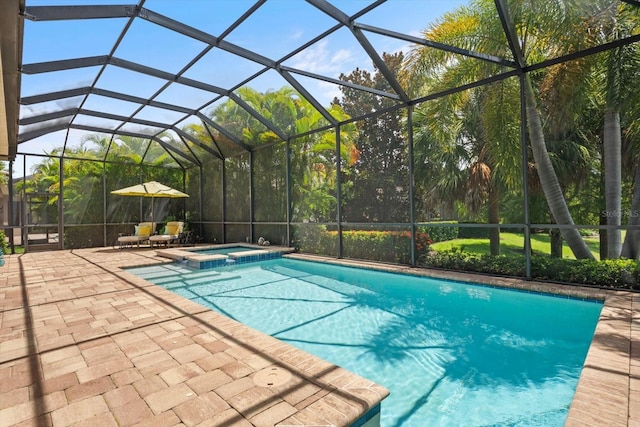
[[174, 227], [171, 233], [144, 231]]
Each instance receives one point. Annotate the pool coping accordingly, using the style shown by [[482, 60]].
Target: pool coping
[[82, 340]]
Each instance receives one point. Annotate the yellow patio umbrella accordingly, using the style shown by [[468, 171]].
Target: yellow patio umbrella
[[151, 189]]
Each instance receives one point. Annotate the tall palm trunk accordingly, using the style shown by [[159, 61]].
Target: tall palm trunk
[[612, 180], [602, 232], [631, 246], [549, 180], [494, 218], [555, 242]]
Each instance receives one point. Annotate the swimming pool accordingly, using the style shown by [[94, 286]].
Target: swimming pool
[[450, 353]]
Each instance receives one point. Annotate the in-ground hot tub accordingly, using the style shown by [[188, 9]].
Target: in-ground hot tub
[[202, 257]]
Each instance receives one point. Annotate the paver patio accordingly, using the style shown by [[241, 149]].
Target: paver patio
[[83, 342]]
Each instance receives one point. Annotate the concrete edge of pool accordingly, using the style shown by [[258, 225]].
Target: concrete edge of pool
[[82, 341]]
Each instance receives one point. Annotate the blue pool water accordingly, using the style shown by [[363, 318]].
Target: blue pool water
[[451, 354]]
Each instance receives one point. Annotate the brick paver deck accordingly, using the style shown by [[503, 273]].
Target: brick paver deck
[[84, 343]]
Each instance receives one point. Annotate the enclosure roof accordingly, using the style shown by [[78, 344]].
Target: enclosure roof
[[151, 69]]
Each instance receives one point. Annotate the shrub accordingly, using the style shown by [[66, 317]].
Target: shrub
[[610, 273], [620, 274], [4, 248], [440, 234], [479, 263], [387, 246], [314, 239], [473, 232], [375, 245]]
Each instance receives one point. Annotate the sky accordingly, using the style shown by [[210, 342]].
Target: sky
[[275, 29]]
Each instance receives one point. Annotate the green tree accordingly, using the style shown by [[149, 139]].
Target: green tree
[[4, 175], [621, 74], [466, 143], [476, 28], [83, 191], [43, 187], [586, 97], [313, 170], [376, 187]]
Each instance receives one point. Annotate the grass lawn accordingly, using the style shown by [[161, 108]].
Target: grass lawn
[[513, 243]]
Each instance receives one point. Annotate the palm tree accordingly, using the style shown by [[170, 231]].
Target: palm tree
[[621, 74], [600, 85], [456, 154], [4, 177], [631, 244], [549, 180], [313, 165], [43, 185], [476, 28], [473, 135]]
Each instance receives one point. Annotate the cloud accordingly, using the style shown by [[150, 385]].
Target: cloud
[[296, 35], [320, 59], [342, 56], [329, 91]]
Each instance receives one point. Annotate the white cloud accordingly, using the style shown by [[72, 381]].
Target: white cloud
[[342, 56], [320, 59], [329, 91], [296, 35]]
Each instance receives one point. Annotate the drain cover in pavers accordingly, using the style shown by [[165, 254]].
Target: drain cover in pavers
[[271, 377]]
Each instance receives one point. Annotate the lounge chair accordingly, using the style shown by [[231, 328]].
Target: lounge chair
[[171, 233], [142, 233]]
